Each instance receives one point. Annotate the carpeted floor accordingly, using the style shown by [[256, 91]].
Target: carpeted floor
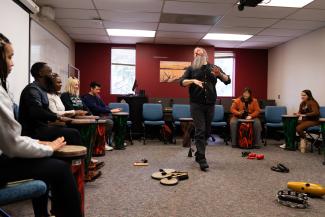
[[233, 186]]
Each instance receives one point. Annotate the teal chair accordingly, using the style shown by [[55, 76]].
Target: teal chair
[[15, 192], [219, 122], [152, 114], [273, 118]]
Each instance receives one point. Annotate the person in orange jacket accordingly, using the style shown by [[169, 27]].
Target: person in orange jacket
[[245, 107]]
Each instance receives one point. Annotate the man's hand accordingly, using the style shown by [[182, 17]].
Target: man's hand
[[116, 110], [80, 113], [198, 83], [216, 71], [56, 144], [64, 119], [249, 117]]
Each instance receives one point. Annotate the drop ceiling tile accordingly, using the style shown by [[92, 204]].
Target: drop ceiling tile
[[308, 14], [263, 12], [85, 31], [258, 45], [130, 5], [189, 19], [218, 43], [298, 24], [316, 4], [80, 23], [187, 41], [283, 32], [183, 27], [236, 30], [61, 13], [81, 4], [130, 25], [229, 21], [129, 16], [184, 35], [130, 40], [89, 37], [269, 39], [195, 8]]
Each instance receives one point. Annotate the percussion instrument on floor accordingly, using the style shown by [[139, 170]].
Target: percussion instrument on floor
[[100, 138], [322, 127], [308, 188], [87, 129], [120, 125], [74, 155], [289, 128], [187, 127], [245, 133], [163, 173]]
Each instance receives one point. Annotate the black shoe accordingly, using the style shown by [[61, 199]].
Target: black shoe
[[201, 160]]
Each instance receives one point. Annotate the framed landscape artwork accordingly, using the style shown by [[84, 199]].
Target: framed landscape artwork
[[171, 71]]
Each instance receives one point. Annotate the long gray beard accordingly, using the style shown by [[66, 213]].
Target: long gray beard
[[198, 62]]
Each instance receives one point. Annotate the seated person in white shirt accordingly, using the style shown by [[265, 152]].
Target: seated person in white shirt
[[22, 157]]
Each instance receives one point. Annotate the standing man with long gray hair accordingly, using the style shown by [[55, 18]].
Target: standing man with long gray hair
[[201, 78]]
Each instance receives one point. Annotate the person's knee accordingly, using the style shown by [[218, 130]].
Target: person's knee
[[299, 129]]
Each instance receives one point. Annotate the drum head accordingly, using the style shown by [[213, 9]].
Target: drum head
[[121, 113], [161, 175], [71, 151], [169, 181], [87, 117], [83, 121]]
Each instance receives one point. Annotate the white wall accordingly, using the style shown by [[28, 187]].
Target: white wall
[[56, 30], [14, 23], [297, 65]]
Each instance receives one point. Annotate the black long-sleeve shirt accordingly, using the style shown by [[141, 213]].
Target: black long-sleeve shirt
[[34, 109], [72, 102], [207, 94]]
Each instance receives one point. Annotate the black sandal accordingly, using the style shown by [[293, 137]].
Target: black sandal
[[280, 168]]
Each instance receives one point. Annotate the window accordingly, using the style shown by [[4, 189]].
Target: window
[[122, 70], [226, 60]]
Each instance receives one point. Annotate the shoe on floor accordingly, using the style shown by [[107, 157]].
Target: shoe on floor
[[94, 160], [96, 166], [108, 148], [201, 160], [283, 146], [92, 176]]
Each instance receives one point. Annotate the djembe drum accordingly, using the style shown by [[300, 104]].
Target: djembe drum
[[289, 128], [187, 127], [100, 138], [245, 133], [87, 129], [120, 125], [74, 155]]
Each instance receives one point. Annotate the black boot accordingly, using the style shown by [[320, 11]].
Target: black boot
[[200, 158]]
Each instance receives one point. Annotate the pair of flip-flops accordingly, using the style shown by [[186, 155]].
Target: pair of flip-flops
[[169, 176], [280, 168]]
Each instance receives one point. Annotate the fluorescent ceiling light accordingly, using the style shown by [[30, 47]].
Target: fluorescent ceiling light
[[131, 32], [226, 37], [286, 3]]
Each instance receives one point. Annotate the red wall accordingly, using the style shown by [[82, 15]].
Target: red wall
[[93, 60]]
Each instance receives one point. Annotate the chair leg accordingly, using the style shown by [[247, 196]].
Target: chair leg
[[144, 134], [265, 136], [3, 213], [130, 135]]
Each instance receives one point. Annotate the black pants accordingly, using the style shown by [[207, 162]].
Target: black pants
[[55, 173], [202, 117], [50, 133]]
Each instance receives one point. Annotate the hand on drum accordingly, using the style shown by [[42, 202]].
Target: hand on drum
[[116, 110], [64, 119], [249, 117], [198, 83], [56, 144], [80, 113]]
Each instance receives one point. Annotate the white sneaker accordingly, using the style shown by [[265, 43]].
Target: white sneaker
[[94, 160], [283, 146], [108, 148], [125, 144]]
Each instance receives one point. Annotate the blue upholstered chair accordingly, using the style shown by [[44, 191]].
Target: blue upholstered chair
[[152, 114], [315, 130], [125, 108], [25, 190], [219, 122], [273, 118]]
